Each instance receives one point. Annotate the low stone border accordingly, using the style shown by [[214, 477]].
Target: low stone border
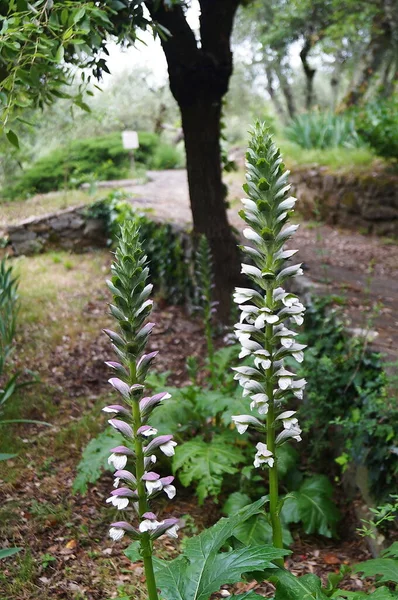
[[367, 202], [69, 229]]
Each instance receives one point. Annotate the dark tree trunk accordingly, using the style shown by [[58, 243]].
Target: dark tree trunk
[[199, 77], [309, 73], [380, 42], [201, 124], [272, 93], [287, 92]]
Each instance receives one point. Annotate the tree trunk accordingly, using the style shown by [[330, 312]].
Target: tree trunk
[[199, 76], [273, 95], [309, 73], [201, 125], [380, 42], [287, 92]]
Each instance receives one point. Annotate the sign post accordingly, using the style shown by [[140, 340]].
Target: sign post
[[130, 142]]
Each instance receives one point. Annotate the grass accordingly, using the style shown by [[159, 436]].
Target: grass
[[55, 291], [343, 159], [41, 204]]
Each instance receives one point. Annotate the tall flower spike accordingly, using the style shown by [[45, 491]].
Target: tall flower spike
[[267, 310], [131, 307]]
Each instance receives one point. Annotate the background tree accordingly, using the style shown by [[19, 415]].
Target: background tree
[[44, 41], [354, 45]]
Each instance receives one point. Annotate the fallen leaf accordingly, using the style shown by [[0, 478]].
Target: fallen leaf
[[331, 559]]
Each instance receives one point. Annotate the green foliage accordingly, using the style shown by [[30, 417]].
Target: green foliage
[[384, 568], [163, 245], [166, 157], [381, 515], [4, 456], [289, 587], [381, 593], [99, 158], [133, 551], [377, 124], [206, 464], [323, 130], [9, 306], [42, 44], [6, 552], [95, 459], [203, 568], [347, 387], [312, 505]]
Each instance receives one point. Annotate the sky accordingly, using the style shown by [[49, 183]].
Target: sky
[[147, 54]]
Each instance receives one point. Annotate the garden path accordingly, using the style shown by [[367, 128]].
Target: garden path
[[361, 270]]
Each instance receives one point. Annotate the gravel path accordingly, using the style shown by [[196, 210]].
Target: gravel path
[[361, 269]]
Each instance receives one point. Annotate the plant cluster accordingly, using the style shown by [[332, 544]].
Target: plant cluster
[[322, 130], [377, 124], [9, 307], [163, 245], [235, 548], [349, 402], [98, 158]]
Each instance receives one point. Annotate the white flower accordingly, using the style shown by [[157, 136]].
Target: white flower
[[293, 433], [288, 420], [250, 205], [263, 456], [260, 401], [172, 532], [251, 386], [285, 378], [260, 361], [116, 482], [244, 294], [168, 448], [149, 431], [116, 533], [153, 486], [251, 235], [242, 422], [250, 270], [149, 525], [119, 502], [298, 388], [170, 491], [119, 461]]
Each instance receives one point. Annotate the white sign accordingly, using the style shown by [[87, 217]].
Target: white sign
[[130, 140]]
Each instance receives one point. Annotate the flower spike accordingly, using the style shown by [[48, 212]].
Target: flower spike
[[267, 310], [131, 307]]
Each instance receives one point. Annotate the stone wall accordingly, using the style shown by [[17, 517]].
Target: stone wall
[[69, 229], [368, 203]]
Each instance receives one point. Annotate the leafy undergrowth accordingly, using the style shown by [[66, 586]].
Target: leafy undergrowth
[[67, 553]]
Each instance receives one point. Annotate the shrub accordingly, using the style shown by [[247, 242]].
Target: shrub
[[348, 400], [164, 246], [377, 124], [100, 158], [166, 157], [323, 130]]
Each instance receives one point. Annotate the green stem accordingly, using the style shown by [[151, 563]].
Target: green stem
[[145, 541], [273, 471]]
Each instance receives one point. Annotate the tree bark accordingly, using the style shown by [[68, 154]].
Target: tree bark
[[309, 73], [287, 92], [380, 42], [272, 93], [199, 76]]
